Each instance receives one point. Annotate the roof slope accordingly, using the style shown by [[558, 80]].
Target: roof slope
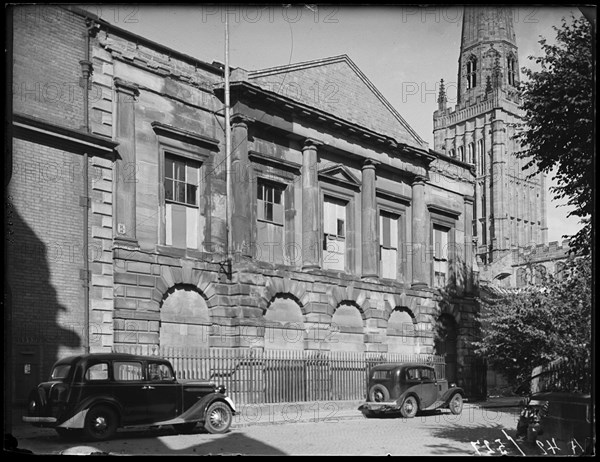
[[336, 86]]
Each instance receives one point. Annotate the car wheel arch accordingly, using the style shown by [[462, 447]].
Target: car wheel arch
[[110, 403]]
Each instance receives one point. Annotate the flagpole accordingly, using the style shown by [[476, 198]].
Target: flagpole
[[228, 149]]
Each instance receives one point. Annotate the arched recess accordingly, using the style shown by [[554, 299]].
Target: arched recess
[[401, 332], [347, 328], [284, 323], [445, 343], [184, 317]]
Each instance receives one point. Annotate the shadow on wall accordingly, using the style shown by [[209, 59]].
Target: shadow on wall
[[33, 328]]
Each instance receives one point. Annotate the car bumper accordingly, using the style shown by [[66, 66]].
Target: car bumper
[[391, 406]]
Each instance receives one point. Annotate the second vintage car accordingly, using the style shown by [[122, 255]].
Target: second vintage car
[[94, 394], [408, 388]]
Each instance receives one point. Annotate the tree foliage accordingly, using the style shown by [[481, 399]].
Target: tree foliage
[[539, 324], [558, 122]]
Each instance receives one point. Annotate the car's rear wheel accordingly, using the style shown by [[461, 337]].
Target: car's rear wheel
[[409, 407], [218, 417], [379, 393], [100, 423], [456, 404]]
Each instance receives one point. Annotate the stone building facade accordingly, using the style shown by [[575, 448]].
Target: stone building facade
[[348, 233], [509, 207]]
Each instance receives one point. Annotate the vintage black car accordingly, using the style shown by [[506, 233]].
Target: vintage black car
[[94, 394], [408, 388]]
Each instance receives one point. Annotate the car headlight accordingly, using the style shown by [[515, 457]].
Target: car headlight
[[452, 385], [220, 389]]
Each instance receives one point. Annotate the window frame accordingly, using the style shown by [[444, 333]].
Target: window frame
[[389, 205], [349, 197], [198, 167], [281, 187], [471, 73]]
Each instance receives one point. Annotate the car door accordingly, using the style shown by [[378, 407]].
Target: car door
[[163, 392], [429, 390], [129, 389]]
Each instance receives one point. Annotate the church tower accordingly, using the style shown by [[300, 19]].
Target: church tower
[[509, 208]]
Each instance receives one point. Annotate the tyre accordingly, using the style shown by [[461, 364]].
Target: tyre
[[218, 417], [185, 427], [409, 407], [100, 423], [456, 404], [379, 393]]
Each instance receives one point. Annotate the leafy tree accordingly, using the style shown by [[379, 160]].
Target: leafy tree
[[539, 324], [558, 122]]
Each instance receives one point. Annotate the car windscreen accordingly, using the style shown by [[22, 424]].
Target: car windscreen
[[60, 372]]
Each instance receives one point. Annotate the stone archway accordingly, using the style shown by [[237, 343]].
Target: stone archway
[[184, 318], [445, 344], [284, 324], [347, 328], [401, 331]]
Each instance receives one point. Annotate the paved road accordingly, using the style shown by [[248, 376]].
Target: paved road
[[439, 433]]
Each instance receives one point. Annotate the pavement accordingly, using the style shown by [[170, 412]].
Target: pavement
[[274, 413]]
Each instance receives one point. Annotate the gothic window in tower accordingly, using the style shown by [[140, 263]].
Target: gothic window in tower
[[472, 72], [470, 149], [461, 153], [480, 166], [511, 70]]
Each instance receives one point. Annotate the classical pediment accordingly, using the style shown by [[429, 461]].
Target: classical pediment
[[339, 174], [337, 87]]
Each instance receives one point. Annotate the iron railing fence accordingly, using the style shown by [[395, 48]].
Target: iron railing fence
[[254, 376]]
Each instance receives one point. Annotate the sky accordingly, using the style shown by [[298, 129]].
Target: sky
[[403, 50]]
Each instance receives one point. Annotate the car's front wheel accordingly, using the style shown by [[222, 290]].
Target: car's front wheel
[[456, 404], [100, 423], [409, 407], [218, 417]]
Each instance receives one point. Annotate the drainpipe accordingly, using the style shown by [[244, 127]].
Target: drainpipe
[[84, 82], [229, 192]]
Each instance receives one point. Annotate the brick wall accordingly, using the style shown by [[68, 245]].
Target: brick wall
[[49, 42]]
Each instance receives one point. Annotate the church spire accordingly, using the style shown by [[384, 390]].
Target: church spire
[[488, 49]]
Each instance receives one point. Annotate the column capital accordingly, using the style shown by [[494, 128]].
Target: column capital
[[125, 87], [311, 143], [240, 119], [419, 180], [370, 164]]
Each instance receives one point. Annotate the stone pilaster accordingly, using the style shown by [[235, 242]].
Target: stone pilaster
[[421, 267], [468, 244], [311, 248], [369, 238], [126, 168], [242, 207]]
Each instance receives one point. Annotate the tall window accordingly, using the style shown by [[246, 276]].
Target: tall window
[[511, 70], [461, 153], [470, 155], [269, 198], [452, 153], [181, 181], [334, 234], [472, 72], [440, 255], [270, 221], [388, 244], [480, 162]]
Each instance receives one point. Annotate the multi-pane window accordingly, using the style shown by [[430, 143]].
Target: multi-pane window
[[388, 244], [511, 70], [181, 183], [270, 221], [472, 73], [334, 233], [440, 255], [269, 198]]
